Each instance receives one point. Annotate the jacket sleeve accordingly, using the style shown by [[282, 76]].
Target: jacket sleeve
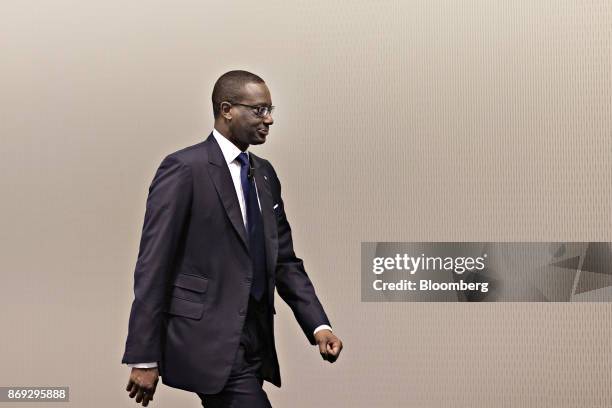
[[166, 213], [292, 282]]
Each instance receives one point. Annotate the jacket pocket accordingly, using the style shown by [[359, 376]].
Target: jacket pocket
[[190, 287], [186, 297], [185, 308], [191, 282]]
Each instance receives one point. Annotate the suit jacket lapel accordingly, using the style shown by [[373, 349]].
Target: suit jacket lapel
[[267, 213], [222, 179]]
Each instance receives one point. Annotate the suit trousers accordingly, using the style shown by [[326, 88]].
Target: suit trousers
[[244, 385]]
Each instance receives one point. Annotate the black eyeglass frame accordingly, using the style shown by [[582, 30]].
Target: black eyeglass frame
[[268, 109]]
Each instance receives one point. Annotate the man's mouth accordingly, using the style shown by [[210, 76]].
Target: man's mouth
[[262, 131]]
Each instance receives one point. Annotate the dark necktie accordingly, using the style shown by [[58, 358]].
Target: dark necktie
[[254, 228]]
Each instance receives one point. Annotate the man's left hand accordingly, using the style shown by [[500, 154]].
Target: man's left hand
[[330, 346]]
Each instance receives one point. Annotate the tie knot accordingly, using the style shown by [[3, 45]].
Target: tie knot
[[243, 159]]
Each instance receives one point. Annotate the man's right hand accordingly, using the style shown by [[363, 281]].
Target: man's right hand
[[142, 384]]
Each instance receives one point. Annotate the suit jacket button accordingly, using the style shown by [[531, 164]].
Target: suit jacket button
[[243, 311]]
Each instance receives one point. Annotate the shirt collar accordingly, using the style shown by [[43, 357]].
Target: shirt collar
[[229, 150]]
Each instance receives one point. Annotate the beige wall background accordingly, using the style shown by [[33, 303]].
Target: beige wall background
[[420, 120]]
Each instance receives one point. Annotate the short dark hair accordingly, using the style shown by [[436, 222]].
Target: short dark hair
[[229, 87]]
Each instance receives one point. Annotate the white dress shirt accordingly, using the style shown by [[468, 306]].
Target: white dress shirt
[[230, 153]]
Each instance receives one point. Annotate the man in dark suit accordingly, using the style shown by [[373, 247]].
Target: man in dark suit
[[215, 244]]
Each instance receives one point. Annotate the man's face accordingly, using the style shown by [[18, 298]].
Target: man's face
[[246, 127]]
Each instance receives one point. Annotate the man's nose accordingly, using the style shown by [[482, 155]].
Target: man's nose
[[268, 119]]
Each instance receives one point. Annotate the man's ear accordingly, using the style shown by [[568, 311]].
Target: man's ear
[[226, 110]]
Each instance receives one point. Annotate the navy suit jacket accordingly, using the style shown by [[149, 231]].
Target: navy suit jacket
[[193, 275]]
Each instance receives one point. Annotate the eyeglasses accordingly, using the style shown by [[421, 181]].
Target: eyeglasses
[[260, 111]]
